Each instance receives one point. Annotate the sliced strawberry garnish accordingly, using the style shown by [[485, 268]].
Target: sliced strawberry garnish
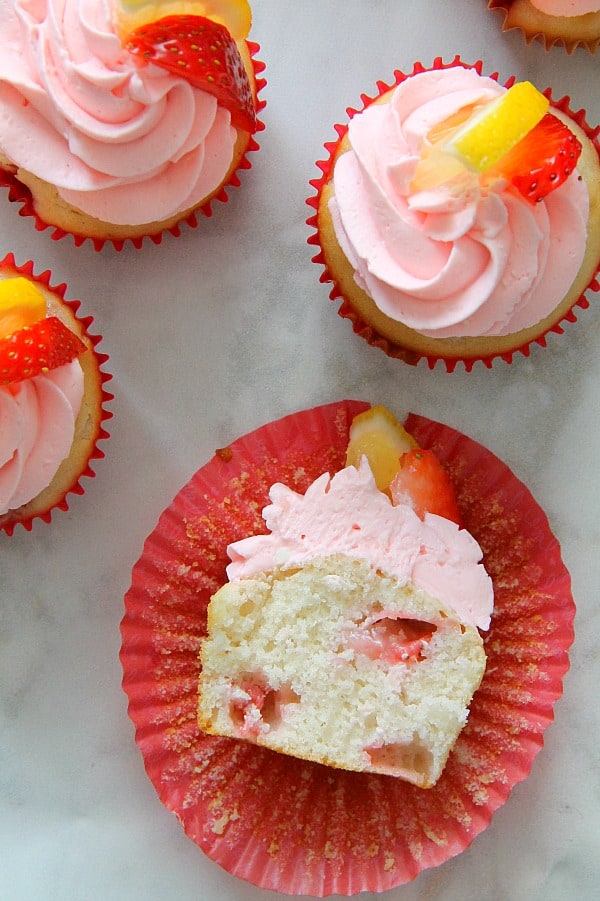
[[204, 53], [37, 348], [423, 484], [542, 160]]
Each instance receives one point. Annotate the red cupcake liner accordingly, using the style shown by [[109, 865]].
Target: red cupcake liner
[[10, 520], [298, 827], [20, 193], [366, 331], [510, 23]]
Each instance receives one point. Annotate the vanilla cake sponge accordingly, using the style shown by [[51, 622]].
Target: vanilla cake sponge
[[337, 662]]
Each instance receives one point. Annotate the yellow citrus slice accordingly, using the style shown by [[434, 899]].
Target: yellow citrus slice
[[235, 15], [493, 130], [377, 435], [21, 304]]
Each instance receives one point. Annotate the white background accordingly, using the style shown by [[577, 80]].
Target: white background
[[211, 335]]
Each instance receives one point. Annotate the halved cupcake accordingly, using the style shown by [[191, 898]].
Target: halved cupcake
[[349, 634], [327, 830]]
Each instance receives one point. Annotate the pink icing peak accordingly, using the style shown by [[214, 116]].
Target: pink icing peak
[[347, 514]]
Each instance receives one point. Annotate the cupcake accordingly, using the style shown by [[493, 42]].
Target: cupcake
[[120, 119], [349, 635], [459, 219], [571, 23], [330, 829], [51, 396]]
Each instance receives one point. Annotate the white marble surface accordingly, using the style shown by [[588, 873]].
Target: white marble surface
[[213, 334]]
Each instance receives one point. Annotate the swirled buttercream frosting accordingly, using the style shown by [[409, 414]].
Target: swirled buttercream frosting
[[125, 142], [462, 258], [37, 425]]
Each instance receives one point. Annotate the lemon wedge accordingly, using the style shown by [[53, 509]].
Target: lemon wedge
[[235, 15], [377, 435], [495, 129], [21, 304]]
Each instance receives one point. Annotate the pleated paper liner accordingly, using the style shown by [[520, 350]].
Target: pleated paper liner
[[301, 828], [567, 32], [9, 521], [346, 311], [20, 193]]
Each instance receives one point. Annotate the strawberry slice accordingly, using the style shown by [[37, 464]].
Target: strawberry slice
[[423, 484], [204, 53], [37, 348], [542, 160], [393, 639]]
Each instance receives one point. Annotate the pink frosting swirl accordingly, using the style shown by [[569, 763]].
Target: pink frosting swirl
[[459, 259], [37, 424], [348, 515], [124, 142], [567, 8]]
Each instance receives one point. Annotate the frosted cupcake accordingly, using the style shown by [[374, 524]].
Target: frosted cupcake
[[443, 243], [326, 829], [571, 23], [349, 635], [51, 397], [121, 118]]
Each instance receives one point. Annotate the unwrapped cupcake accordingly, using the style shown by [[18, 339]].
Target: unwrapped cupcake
[[347, 604], [51, 397], [572, 23], [457, 218], [348, 635], [121, 118]]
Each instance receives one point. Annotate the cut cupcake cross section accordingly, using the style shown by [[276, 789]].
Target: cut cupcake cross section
[[52, 397], [330, 689], [349, 635]]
